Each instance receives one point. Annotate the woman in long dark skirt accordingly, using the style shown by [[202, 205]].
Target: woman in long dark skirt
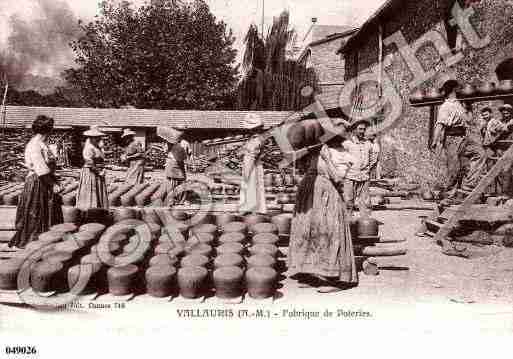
[[320, 242], [39, 207]]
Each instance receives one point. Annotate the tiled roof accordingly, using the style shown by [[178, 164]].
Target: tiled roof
[[21, 116]]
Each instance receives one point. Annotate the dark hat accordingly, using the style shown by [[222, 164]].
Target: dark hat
[[449, 85], [359, 122], [507, 107], [486, 109]]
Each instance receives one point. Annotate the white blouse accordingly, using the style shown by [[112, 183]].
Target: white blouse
[[37, 157]]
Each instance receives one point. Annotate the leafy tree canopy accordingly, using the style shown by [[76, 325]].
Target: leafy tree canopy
[[167, 54]]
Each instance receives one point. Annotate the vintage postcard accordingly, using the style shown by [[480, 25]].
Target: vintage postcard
[[262, 172]]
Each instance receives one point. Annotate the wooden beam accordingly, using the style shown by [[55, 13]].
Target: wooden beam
[[446, 229]]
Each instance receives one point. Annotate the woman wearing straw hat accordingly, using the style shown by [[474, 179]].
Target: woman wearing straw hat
[[321, 247], [39, 208], [134, 157], [252, 192], [92, 189]]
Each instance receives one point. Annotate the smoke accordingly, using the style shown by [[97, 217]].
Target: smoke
[[40, 44]]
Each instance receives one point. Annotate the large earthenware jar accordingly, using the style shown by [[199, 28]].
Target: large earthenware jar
[[195, 260], [283, 222], [261, 282], [239, 227], [161, 281], [261, 260], [46, 276], [265, 238], [163, 259], [264, 228], [9, 270], [234, 237], [191, 281], [71, 214], [230, 248], [228, 260], [269, 249], [122, 280], [228, 282]]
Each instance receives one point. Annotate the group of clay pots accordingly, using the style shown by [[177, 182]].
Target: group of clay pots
[[53, 257], [468, 90], [280, 180], [10, 194]]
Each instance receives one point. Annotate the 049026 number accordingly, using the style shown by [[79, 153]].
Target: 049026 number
[[23, 350]]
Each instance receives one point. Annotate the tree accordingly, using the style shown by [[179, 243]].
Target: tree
[[164, 55], [272, 81]]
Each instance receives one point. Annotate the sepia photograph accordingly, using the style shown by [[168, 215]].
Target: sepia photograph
[[172, 170]]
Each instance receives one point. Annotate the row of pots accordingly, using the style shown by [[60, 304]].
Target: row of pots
[[468, 90]]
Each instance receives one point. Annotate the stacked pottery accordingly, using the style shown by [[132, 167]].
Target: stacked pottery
[[96, 228], [115, 197], [264, 228], [160, 281], [122, 280], [163, 259], [97, 267], [253, 219], [199, 248], [230, 248], [205, 238], [144, 198], [64, 228], [69, 199], [225, 218], [71, 214], [234, 237], [265, 238], [192, 281], [235, 227], [128, 199], [261, 282], [121, 214], [50, 237], [228, 282]]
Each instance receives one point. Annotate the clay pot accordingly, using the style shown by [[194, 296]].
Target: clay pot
[[261, 282], [94, 261], [234, 237], [433, 94], [160, 281], [69, 199], [367, 227], [50, 237], [228, 282], [205, 238], [505, 86], [467, 90], [228, 260], [427, 195], [71, 214], [205, 228], [261, 260], [169, 249], [63, 257], [265, 238], [417, 96], [120, 214], [163, 259], [264, 228], [122, 280], [74, 279], [230, 248], [191, 281], [199, 248], [86, 238], [278, 180], [64, 228], [283, 222], [46, 276], [486, 88], [195, 260], [9, 270], [239, 227], [252, 219], [96, 228], [268, 249]]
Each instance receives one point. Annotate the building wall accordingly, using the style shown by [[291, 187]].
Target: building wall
[[328, 65], [405, 148]]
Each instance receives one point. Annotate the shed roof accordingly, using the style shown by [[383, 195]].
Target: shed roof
[[22, 116]]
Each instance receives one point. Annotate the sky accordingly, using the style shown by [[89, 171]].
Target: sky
[[238, 14]]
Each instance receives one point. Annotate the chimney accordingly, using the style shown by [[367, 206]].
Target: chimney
[[314, 20]]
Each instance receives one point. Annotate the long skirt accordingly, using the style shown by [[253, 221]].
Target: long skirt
[[38, 210], [135, 174], [320, 240], [92, 190]]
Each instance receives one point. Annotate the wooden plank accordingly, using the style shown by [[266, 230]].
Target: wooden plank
[[483, 184]]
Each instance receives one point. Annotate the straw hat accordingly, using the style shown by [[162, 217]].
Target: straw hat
[[127, 132], [169, 134], [94, 132], [506, 107]]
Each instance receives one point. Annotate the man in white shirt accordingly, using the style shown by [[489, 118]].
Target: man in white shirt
[[357, 181]]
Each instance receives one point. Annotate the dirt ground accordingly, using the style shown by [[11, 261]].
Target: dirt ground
[[422, 290]]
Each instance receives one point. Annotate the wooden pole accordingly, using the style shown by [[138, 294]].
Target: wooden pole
[[4, 103]]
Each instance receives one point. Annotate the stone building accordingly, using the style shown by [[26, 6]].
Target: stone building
[[408, 45]]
